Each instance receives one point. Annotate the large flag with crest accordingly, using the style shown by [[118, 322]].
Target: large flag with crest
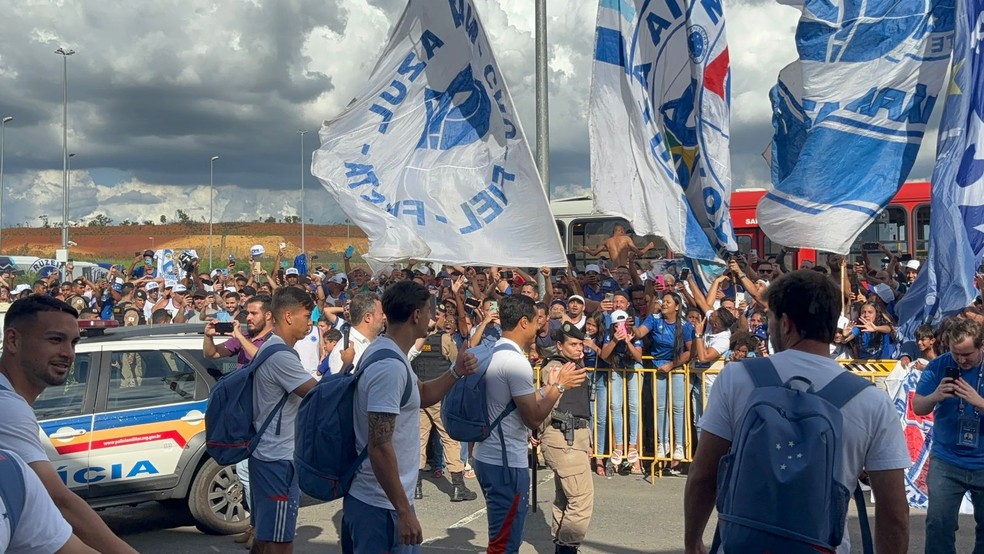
[[850, 114], [430, 159], [956, 236], [659, 121]]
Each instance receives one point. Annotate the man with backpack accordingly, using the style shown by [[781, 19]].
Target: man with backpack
[[501, 461], [274, 491], [378, 513], [791, 456]]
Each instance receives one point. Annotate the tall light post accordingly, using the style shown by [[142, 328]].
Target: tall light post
[[302, 132], [3, 124], [542, 108], [65, 53], [211, 173], [68, 190]]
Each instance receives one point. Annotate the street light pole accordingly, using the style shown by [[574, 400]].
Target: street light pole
[[211, 172], [65, 53], [542, 108], [68, 190], [3, 124], [302, 132]]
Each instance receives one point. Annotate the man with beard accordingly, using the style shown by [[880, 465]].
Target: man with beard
[[39, 338]]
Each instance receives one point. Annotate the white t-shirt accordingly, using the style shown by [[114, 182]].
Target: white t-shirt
[[509, 376], [280, 373], [18, 426], [381, 388], [721, 343], [872, 438], [41, 529], [360, 341], [309, 350]]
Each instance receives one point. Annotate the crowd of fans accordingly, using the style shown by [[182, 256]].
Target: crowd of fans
[[633, 318]]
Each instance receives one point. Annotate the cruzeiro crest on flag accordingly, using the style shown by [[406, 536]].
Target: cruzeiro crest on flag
[[458, 115]]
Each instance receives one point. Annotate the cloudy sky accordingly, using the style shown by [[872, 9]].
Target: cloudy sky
[[158, 88]]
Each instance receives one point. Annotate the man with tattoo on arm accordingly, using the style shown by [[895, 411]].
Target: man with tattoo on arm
[[378, 514]]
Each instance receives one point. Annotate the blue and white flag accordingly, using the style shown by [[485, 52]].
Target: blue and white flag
[[430, 159], [850, 114], [659, 122], [956, 235]]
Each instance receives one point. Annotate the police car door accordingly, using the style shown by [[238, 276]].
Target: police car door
[[147, 414], [65, 418]]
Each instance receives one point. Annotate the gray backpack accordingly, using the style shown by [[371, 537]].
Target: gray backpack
[[777, 487]]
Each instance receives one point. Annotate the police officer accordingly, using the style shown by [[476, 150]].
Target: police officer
[[436, 354], [566, 444]]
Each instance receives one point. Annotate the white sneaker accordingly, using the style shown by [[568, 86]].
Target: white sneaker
[[678, 452], [661, 451]]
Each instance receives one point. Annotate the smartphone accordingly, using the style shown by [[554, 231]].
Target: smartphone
[[620, 326], [232, 257], [256, 267], [609, 296], [350, 251], [473, 303], [283, 245], [953, 372], [859, 260], [870, 246], [507, 275], [334, 267], [905, 257], [660, 282], [494, 306], [685, 274], [446, 283], [223, 327]]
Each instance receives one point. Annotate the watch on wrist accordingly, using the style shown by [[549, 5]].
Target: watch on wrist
[[560, 388]]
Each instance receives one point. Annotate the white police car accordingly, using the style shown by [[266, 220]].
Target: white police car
[[128, 425]]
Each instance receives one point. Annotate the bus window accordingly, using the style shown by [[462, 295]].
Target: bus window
[[744, 243], [922, 231], [593, 232], [889, 228], [771, 249], [562, 231]]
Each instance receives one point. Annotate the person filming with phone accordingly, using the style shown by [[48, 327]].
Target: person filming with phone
[[950, 387]]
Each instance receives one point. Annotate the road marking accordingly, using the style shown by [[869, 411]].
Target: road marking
[[478, 514]]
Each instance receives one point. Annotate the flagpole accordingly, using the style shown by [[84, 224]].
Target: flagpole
[[542, 108]]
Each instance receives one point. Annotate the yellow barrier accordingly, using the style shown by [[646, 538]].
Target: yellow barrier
[[875, 370]]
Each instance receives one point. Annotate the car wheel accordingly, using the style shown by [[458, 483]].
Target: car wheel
[[217, 500]]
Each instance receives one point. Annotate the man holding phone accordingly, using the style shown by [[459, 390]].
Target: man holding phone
[[950, 387]]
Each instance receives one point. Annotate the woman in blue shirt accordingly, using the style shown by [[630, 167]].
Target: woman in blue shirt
[[594, 328], [624, 352], [671, 337]]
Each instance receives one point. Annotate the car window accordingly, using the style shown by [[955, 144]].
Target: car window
[[65, 400], [149, 378]]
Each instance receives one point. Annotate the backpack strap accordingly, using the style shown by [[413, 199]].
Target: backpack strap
[[255, 364], [762, 371], [13, 489], [843, 388]]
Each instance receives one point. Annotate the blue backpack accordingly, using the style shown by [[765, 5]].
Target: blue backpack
[[777, 488], [13, 490], [465, 407], [230, 436], [325, 454]]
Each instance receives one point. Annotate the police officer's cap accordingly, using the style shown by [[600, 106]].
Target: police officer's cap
[[570, 330]]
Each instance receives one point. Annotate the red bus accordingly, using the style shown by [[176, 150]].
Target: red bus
[[903, 226]]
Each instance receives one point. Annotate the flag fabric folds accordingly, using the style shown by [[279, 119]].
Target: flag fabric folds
[[850, 114], [430, 159], [659, 121], [956, 236]]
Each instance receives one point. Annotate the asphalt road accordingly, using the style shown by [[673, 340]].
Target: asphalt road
[[630, 516]]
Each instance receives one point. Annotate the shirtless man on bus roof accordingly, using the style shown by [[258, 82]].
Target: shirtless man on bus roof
[[618, 246]]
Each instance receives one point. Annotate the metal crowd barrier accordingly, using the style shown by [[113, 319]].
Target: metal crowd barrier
[[648, 408]]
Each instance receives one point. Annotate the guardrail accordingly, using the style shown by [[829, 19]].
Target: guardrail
[[647, 404]]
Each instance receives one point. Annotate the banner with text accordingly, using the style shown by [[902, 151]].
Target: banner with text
[[659, 122], [850, 114], [430, 159]]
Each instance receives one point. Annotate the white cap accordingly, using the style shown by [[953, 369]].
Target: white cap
[[912, 264], [257, 250], [21, 288], [338, 279], [231, 289], [292, 271], [180, 288], [577, 297], [592, 267], [152, 286], [619, 316]]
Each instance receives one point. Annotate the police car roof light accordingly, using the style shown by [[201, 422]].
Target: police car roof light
[[96, 327]]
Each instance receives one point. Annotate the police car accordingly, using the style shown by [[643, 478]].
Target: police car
[[128, 424]]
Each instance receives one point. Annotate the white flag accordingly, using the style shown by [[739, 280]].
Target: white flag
[[430, 159], [659, 121]]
